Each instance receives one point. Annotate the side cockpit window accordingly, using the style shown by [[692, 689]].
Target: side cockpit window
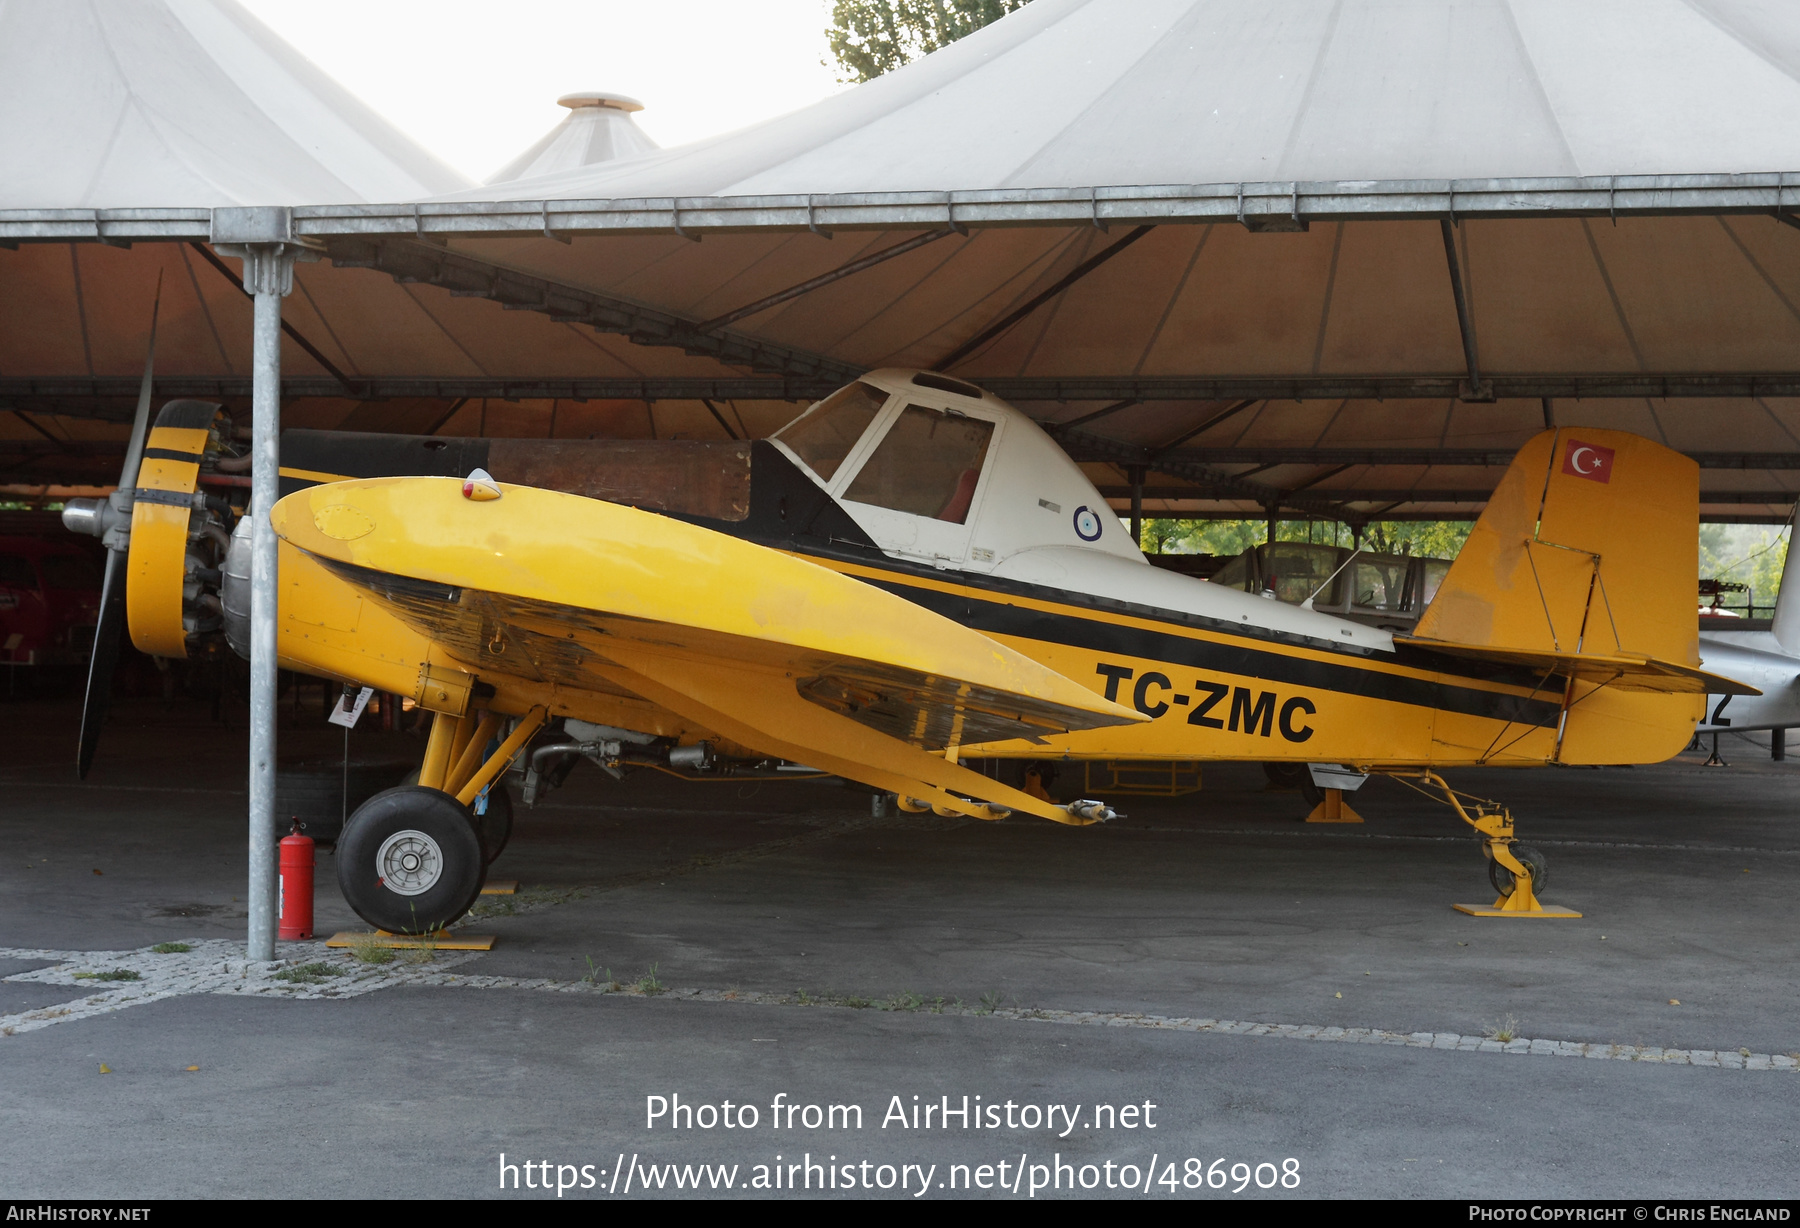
[[824, 434], [929, 465]]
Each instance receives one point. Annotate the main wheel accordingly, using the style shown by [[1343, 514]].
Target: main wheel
[[495, 826], [409, 861], [1531, 859], [1286, 775]]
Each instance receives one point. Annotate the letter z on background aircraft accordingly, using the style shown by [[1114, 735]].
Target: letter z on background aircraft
[[910, 576]]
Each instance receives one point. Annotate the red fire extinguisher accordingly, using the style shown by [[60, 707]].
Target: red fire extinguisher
[[296, 885]]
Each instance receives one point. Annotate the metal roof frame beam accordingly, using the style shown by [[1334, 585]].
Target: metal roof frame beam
[[465, 276], [1284, 202], [823, 280], [1085, 447], [1420, 387], [802, 386], [1479, 458], [1347, 497]]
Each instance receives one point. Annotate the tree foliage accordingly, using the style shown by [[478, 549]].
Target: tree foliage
[[1745, 554], [1438, 539], [872, 37]]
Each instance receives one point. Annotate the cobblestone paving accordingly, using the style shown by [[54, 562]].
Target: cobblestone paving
[[215, 966]]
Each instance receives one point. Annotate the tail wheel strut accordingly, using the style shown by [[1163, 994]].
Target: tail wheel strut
[[1517, 871]]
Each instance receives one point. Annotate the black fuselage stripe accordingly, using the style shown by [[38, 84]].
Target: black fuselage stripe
[[1208, 656]]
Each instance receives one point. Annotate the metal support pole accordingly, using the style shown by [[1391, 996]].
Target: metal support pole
[[1465, 320], [1778, 744], [1137, 506], [268, 276], [264, 480]]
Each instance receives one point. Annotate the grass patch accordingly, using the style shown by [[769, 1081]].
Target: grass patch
[[648, 985], [368, 949], [602, 977], [424, 953], [1504, 1031], [906, 1000], [117, 974], [308, 974], [172, 948]]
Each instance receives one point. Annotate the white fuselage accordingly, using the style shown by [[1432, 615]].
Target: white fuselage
[[1758, 658]]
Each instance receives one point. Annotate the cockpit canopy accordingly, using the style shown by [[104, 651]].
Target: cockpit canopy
[[936, 469]]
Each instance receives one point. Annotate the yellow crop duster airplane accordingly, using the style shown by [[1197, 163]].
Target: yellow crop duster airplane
[[910, 576]]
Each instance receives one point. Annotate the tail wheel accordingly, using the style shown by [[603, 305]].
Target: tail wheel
[[1286, 775], [409, 861], [1531, 859]]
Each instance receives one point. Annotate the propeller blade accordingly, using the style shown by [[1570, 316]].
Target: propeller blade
[[111, 628], [140, 424], [104, 659]]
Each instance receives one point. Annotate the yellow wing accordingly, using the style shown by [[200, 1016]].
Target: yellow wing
[[771, 650]]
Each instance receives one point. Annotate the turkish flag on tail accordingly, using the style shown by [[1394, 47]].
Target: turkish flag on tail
[[1588, 460]]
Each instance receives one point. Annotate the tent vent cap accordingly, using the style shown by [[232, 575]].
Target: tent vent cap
[[600, 98]]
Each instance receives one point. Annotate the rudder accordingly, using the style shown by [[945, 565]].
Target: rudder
[[1584, 559]]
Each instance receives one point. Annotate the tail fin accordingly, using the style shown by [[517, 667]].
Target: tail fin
[[1583, 565]]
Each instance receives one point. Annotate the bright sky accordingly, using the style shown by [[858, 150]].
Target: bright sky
[[475, 83]]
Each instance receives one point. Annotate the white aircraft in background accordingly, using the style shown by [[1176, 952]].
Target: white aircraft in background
[[1768, 659]]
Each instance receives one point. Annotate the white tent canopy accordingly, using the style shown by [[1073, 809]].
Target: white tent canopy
[[598, 128], [184, 102], [1386, 242], [1087, 93]]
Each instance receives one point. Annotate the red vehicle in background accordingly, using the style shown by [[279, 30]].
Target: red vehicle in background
[[49, 604]]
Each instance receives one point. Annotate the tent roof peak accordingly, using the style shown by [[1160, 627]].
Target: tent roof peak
[[600, 98]]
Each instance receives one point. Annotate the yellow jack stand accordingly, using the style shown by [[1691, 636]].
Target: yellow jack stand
[[443, 940], [1334, 809], [1494, 823], [501, 886]]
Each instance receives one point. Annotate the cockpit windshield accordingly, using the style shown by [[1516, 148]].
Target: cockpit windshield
[[928, 464], [824, 434]]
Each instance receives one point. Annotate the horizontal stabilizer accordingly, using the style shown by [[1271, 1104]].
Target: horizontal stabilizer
[[1620, 672]]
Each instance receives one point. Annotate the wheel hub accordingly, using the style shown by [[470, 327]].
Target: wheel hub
[[409, 863]]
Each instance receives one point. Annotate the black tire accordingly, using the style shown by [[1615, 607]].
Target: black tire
[[440, 827], [495, 827], [1531, 859], [1308, 790], [1286, 775]]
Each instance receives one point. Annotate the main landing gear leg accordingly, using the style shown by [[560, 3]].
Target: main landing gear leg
[[1516, 870], [412, 860]]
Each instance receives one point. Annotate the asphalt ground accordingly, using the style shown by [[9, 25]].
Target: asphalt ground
[[778, 941]]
